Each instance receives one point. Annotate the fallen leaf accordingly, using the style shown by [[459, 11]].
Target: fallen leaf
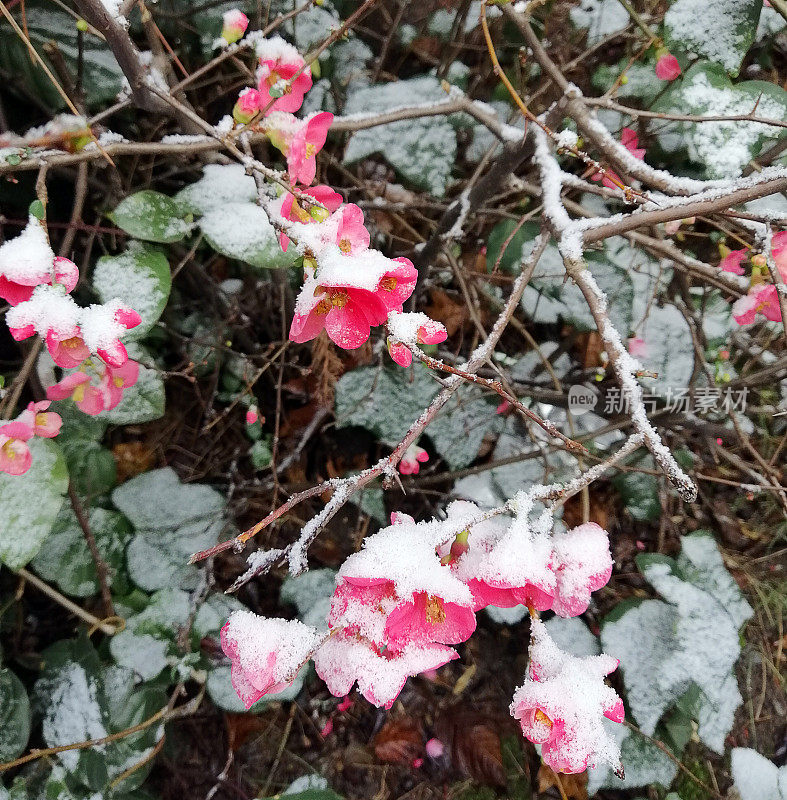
[[240, 727], [442, 308], [575, 786], [132, 458], [473, 742], [399, 741]]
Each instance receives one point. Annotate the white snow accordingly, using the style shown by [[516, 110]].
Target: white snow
[[27, 257]]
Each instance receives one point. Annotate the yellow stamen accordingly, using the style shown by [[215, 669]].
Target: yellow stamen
[[389, 284], [435, 613], [345, 246], [79, 393]]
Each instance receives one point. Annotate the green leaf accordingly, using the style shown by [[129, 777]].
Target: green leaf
[[140, 277], [423, 150], [81, 699], [723, 148], [600, 17], [457, 431], [720, 30], [665, 648], [640, 493], [37, 209], [91, 467], [14, 716], [512, 257], [171, 521], [220, 185], [260, 453], [103, 78], [142, 402], [66, 560], [151, 216], [243, 231], [29, 503]]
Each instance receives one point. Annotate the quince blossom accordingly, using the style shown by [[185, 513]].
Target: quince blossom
[[351, 235], [266, 654], [562, 703], [308, 139], [667, 67], [292, 210], [15, 456], [279, 62], [78, 387], [43, 423], [761, 299], [412, 329], [582, 564], [414, 456]]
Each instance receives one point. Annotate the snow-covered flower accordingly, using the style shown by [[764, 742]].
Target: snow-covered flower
[[266, 654], [396, 286], [414, 456], [412, 329], [234, 25], [582, 564], [102, 325], [667, 67], [761, 299], [292, 210], [42, 422], [49, 312], [248, 104], [279, 63], [346, 658], [562, 703], [15, 455]]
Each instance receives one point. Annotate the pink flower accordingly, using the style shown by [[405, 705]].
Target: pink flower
[[582, 564], [732, 261], [352, 236], [396, 286], [346, 312], [49, 313], [487, 593], [779, 252], [434, 748], [667, 68], [412, 459], [762, 299], [15, 456], [346, 658], [234, 25], [307, 141], [412, 329], [291, 209], [252, 415], [248, 105], [77, 387], [637, 347], [428, 618], [282, 66], [562, 703], [115, 380], [629, 140], [103, 325], [266, 654], [42, 422], [69, 352]]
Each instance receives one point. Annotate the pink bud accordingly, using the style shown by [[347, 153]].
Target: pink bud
[[327, 729], [252, 415], [235, 24], [667, 68], [434, 748], [247, 106], [417, 763]]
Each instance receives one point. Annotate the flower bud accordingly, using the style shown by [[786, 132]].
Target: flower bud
[[759, 261], [235, 24], [247, 106], [319, 213]]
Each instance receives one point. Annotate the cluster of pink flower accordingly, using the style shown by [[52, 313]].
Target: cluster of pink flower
[[762, 297], [38, 286], [348, 287], [414, 590]]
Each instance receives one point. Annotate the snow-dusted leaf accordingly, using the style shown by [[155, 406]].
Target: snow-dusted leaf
[[80, 699], [644, 762], [243, 231], [149, 638], [665, 648], [600, 17], [757, 778], [142, 402], [311, 594], [668, 350], [14, 716], [422, 151], [151, 216], [573, 636], [66, 559], [29, 503], [102, 77], [640, 491], [140, 277], [720, 30], [171, 521], [219, 185], [387, 401], [213, 613], [700, 562], [724, 148]]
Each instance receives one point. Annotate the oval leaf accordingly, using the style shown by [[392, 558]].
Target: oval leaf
[[151, 216]]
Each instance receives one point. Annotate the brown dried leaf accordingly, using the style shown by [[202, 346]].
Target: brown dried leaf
[[474, 744], [399, 741], [589, 347], [240, 727], [442, 308], [575, 786], [132, 458]]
